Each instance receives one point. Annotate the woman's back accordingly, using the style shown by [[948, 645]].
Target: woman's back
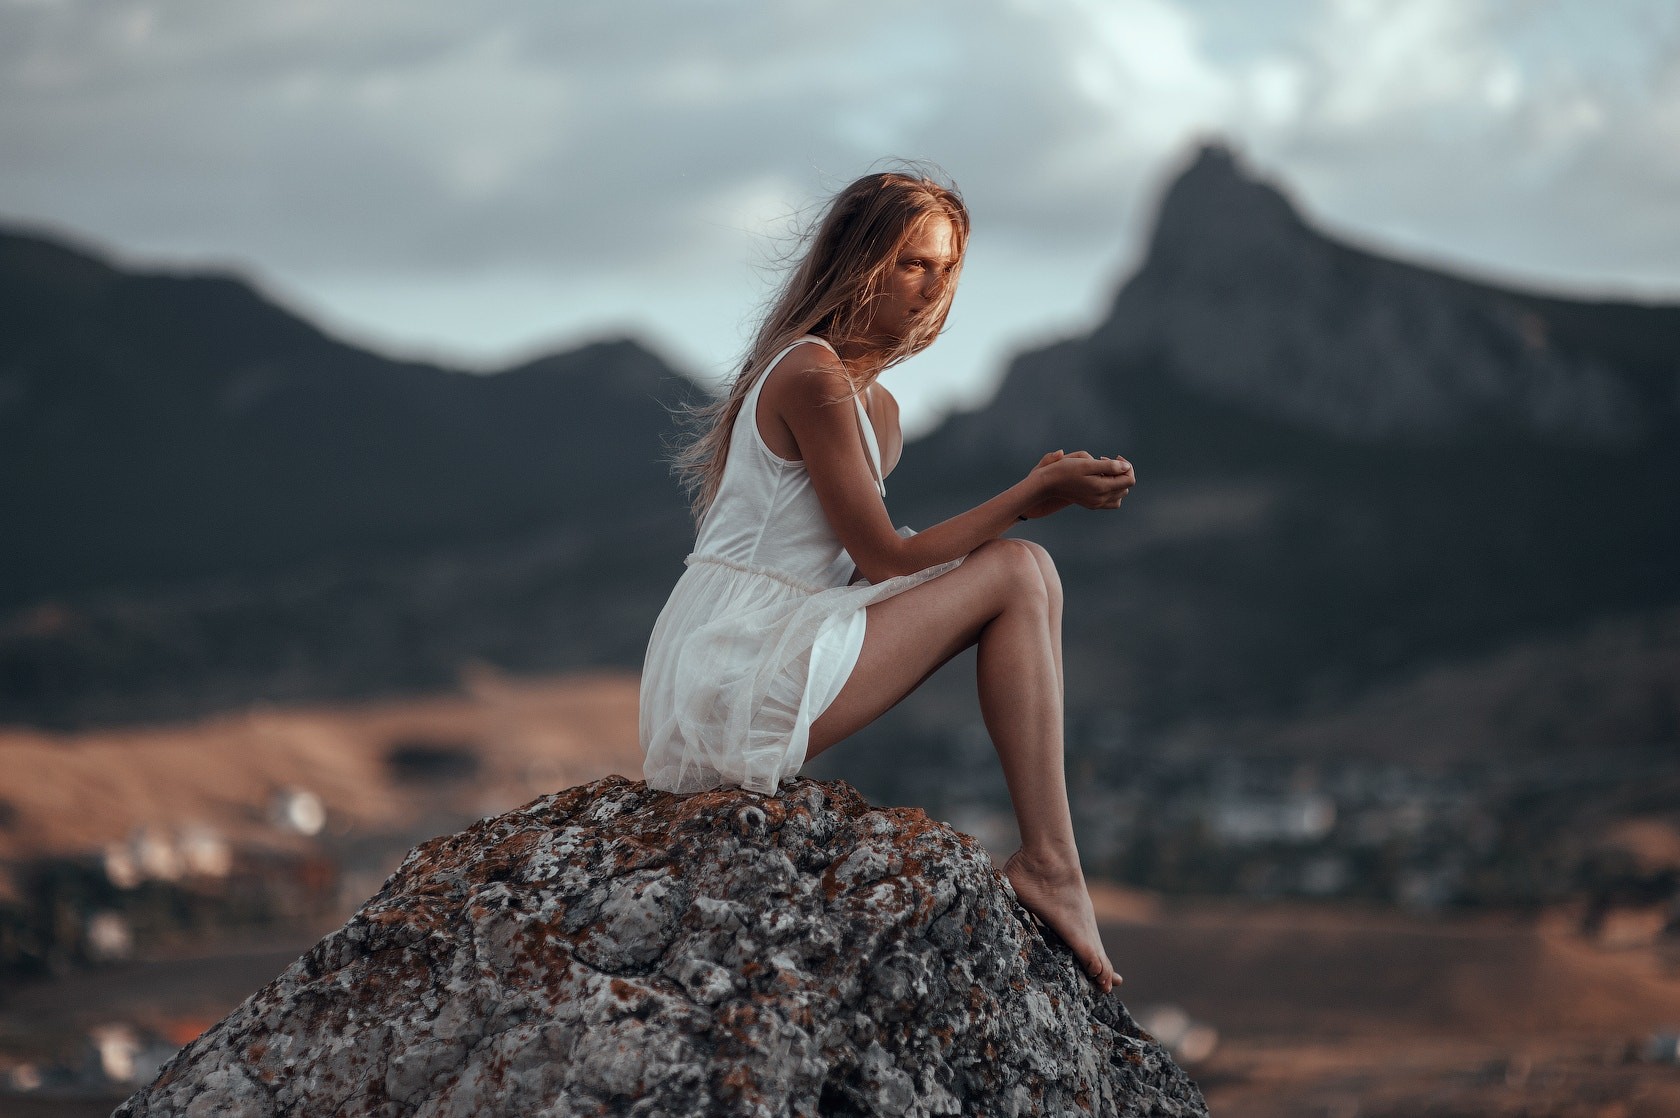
[[766, 516], [763, 629]]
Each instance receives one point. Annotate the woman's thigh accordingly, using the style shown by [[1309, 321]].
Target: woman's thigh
[[911, 635]]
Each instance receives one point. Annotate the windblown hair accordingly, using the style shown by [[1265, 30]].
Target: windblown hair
[[848, 253]]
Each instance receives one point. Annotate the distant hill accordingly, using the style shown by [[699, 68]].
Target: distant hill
[[1353, 471], [160, 426], [1350, 468], [1240, 302]]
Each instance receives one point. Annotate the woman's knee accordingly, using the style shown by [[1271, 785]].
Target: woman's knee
[[1046, 569], [1015, 566]]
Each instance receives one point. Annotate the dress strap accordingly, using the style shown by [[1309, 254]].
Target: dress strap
[[752, 393], [871, 446]]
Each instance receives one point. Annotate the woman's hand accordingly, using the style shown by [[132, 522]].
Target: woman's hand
[[1049, 504], [1080, 479], [1127, 478]]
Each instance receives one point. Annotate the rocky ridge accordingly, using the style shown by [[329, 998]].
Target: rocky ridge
[[1246, 302], [610, 949]]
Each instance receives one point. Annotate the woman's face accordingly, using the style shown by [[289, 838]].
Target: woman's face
[[916, 281]]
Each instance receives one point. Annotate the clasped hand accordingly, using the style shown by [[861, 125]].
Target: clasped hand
[[1080, 479]]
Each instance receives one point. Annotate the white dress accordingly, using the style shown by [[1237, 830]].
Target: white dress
[[762, 629]]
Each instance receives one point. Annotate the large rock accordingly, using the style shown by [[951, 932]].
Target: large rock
[[614, 950]]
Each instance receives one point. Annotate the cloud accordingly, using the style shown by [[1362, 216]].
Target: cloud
[[431, 135], [626, 159], [1493, 136]]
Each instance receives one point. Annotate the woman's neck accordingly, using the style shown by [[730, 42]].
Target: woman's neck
[[862, 361]]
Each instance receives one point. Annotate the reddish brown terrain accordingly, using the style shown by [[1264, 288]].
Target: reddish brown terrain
[[1330, 1011], [74, 792], [1322, 1009]]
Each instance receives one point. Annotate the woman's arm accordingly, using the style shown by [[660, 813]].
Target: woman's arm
[[838, 465]]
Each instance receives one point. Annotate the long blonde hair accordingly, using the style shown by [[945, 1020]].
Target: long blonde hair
[[848, 253]]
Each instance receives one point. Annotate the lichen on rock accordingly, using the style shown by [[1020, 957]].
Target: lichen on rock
[[611, 949]]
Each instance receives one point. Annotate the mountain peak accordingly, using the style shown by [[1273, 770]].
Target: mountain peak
[[1219, 204], [1242, 300], [34, 260]]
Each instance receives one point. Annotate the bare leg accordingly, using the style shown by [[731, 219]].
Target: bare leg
[[1000, 599], [1052, 587]]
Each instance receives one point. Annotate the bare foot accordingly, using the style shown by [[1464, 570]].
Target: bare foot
[[1056, 894]]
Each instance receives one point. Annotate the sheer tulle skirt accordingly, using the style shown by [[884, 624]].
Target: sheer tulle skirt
[[740, 663]]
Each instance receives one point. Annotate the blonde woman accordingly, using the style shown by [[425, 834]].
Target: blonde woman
[[803, 615]]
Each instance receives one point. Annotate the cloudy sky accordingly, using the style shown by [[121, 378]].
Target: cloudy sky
[[481, 182]]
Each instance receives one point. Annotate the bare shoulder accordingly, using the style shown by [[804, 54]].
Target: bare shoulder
[[809, 375], [807, 378]]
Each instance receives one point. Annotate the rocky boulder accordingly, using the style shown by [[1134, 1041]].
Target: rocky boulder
[[609, 949]]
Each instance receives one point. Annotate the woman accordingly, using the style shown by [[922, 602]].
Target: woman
[[803, 615]]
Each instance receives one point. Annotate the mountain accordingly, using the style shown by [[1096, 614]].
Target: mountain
[[1355, 474], [1241, 303], [157, 427], [1350, 468]]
